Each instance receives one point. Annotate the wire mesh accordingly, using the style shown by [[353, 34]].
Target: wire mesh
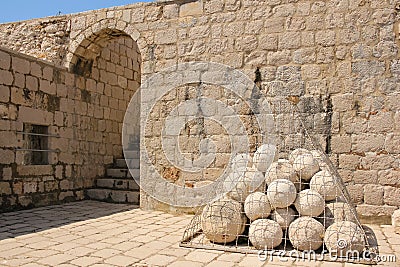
[[299, 204]]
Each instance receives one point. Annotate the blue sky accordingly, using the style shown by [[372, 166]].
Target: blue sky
[[15, 10]]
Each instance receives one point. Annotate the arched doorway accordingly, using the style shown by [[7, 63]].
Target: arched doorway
[[112, 58], [109, 61]]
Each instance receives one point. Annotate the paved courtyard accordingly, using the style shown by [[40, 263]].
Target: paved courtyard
[[98, 234]]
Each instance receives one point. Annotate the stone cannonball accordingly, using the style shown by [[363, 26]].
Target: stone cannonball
[[265, 234], [324, 183], [344, 236], [306, 166], [338, 212], [264, 156], [257, 206], [320, 158], [223, 220], [242, 183], [297, 152], [281, 193], [241, 161], [306, 233], [284, 217], [281, 169], [309, 203]]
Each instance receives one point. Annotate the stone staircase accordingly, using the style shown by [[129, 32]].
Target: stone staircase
[[119, 185]]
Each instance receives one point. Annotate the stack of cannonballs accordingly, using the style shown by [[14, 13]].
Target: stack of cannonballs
[[291, 203]]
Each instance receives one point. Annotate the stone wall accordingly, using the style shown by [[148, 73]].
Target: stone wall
[[340, 57], [83, 116]]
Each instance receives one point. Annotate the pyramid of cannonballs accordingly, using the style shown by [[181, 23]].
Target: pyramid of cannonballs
[[295, 203]]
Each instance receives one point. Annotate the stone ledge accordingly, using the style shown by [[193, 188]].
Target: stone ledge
[[372, 214], [32, 59]]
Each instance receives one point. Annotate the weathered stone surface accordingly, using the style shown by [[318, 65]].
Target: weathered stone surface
[[5, 188], [6, 77], [350, 162], [392, 196], [367, 143], [373, 194], [392, 143], [356, 192], [347, 52], [343, 102], [5, 60], [365, 176], [389, 177], [375, 214], [191, 9], [6, 156], [396, 221], [341, 144]]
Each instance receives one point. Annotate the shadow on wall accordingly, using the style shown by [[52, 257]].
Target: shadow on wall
[[25, 222]]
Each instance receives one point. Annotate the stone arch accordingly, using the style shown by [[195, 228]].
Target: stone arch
[[87, 43], [83, 58]]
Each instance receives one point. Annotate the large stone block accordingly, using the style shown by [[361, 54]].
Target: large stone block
[[30, 187], [365, 177], [392, 196], [343, 102], [275, 25], [368, 68], [35, 116], [5, 188], [389, 177], [356, 192], [7, 156], [396, 221], [374, 161], [341, 144], [304, 56], [7, 174], [4, 93], [373, 194], [289, 40], [34, 170], [171, 11], [5, 60], [191, 9], [373, 214], [381, 122], [66, 195], [6, 77], [325, 38], [349, 161], [392, 143], [21, 65], [8, 139], [367, 143], [32, 83]]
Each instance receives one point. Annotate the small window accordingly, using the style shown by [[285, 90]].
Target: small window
[[36, 144]]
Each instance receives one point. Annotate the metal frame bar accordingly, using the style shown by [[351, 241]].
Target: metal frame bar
[[280, 253], [38, 150], [36, 134]]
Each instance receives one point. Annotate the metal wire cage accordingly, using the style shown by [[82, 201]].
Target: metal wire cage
[[299, 208]]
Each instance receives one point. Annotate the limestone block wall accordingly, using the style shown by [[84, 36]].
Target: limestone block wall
[[340, 57], [83, 120]]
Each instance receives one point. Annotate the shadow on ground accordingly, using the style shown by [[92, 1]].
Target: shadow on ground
[[13, 224]]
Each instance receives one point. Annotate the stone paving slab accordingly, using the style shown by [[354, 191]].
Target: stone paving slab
[[99, 234]]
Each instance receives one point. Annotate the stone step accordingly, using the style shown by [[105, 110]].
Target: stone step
[[132, 154], [120, 163], [124, 163], [113, 196], [123, 173], [117, 183]]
